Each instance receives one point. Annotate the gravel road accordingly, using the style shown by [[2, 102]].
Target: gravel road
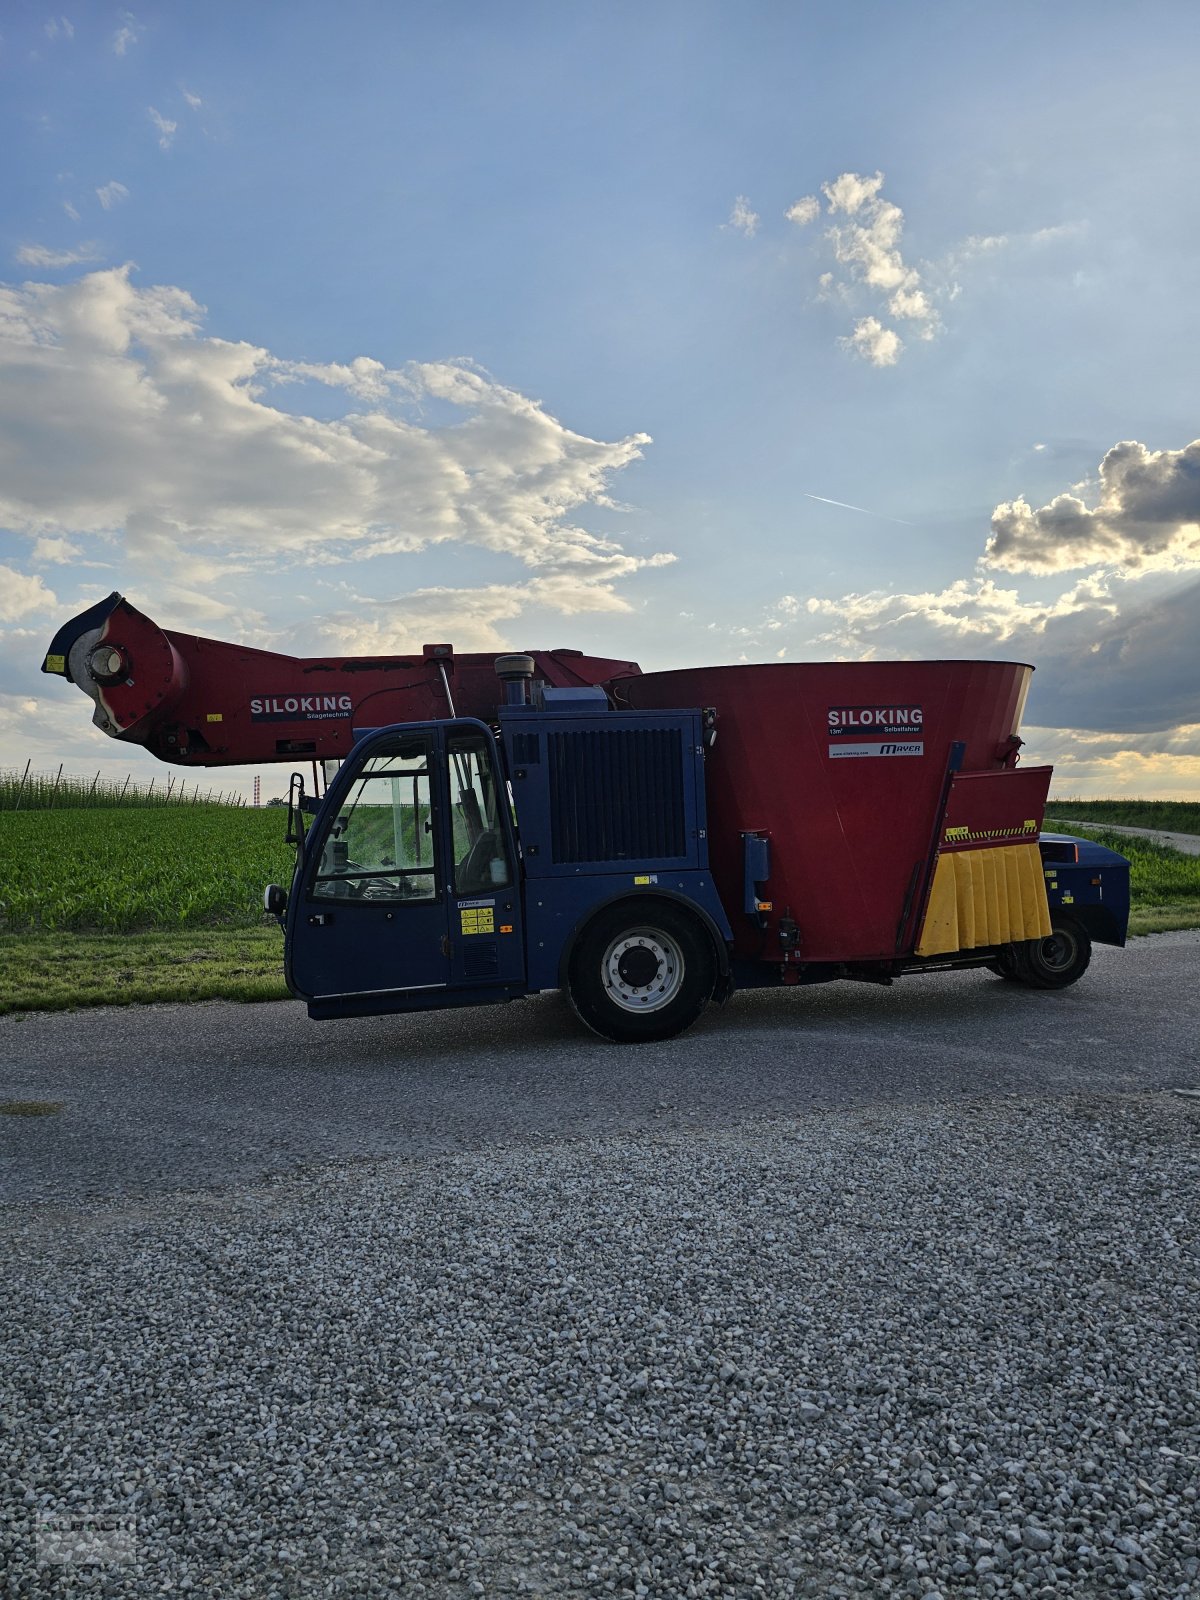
[[850, 1292], [1188, 843]]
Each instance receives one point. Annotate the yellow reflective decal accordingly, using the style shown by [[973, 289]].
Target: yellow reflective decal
[[55, 664], [215, 716]]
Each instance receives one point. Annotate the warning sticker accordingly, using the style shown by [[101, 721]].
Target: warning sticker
[[906, 747], [478, 919]]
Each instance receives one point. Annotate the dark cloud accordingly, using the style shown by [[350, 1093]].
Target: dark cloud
[[1148, 515], [1136, 672]]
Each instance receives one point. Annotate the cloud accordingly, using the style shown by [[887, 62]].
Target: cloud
[[804, 211], [1147, 516], [122, 421], [112, 194], [40, 255], [193, 100], [57, 552], [874, 343], [70, 211], [166, 128], [472, 617], [59, 28], [869, 245], [1087, 765], [1115, 652], [22, 595], [128, 33], [743, 218]]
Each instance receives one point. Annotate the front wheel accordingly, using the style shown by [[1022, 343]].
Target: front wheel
[[642, 971], [1056, 962]]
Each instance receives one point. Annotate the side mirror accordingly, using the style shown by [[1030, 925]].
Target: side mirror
[[275, 901]]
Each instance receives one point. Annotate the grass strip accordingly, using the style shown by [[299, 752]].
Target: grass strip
[[53, 972], [1170, 816]]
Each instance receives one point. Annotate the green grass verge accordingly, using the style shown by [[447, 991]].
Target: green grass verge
[[1164, 884], [51, 972], [1172, 816]]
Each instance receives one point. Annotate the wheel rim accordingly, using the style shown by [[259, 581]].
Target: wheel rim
[[1056, 953], [642, 970]]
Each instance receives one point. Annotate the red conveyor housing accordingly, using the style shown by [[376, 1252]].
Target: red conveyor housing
[[847, 770], [202, 702]]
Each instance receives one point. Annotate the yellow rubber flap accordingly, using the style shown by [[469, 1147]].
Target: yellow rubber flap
[[985, 897]]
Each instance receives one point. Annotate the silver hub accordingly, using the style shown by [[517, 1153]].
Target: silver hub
[[642, 970]]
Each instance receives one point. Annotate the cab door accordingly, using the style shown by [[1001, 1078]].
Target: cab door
[[486, 940], [370, 917]]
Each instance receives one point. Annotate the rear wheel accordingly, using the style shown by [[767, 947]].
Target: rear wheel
[[1053, 963], [641, 971]]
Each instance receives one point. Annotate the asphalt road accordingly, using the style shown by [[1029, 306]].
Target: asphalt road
[[206, 1097]]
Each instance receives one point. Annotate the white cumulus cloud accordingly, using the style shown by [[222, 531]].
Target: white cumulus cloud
[[1147, 515], [804, 211], [874, 343], [22, 595], [124, 423]]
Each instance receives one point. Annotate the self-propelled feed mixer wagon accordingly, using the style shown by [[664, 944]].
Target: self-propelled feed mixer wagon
[[647, 842]]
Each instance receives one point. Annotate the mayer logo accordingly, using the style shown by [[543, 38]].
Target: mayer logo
[[882, 722], [299, 707]]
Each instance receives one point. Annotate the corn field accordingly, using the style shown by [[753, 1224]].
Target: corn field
[[56, 791], [109, 870]]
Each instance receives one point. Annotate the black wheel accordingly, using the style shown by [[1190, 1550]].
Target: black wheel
[[1056, 962], [642, 970]]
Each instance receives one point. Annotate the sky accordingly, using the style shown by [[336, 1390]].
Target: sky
[[679, 332]]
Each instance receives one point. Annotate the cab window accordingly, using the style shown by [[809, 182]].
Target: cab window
[[380, 844], [481, 856]]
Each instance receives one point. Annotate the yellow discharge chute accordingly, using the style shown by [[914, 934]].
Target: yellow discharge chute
[[985, 897]]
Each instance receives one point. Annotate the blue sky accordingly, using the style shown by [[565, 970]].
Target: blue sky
[[328, 328]]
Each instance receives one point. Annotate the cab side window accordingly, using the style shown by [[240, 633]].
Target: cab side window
[[481, 856], [380, 844]]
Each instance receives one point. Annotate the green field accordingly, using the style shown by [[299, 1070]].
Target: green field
[[24, 790], [1164, 883], [118, 871], [1172, 816], [101, 906]]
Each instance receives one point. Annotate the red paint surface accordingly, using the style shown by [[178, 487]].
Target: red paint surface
[[189, 698], [846, 833]]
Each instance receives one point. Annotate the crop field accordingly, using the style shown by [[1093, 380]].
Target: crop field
[[105, 905], [52, 791], [118, 871], [1172, 816]]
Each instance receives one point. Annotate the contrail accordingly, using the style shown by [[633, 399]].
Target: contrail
[[846, 506]]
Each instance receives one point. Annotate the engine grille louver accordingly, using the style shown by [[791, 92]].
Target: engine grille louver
[[599, 781]]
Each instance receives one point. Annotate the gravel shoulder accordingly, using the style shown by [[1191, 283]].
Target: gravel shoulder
[[896, 1350]]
